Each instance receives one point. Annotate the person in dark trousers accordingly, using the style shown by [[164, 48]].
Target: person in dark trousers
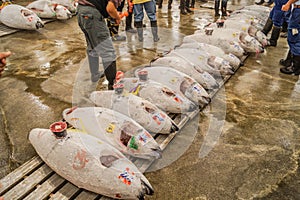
[[275, 22], [223, 8], [138, 10], [3, 56], [293, 37], [91, 16], [160, 2], [114, 28]]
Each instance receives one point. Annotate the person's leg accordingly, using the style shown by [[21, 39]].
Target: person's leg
[[224, 7], [138, 20], [217, 5], [151, 13], [170, 4]]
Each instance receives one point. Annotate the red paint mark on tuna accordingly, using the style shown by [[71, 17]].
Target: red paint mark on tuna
[[80, 160]]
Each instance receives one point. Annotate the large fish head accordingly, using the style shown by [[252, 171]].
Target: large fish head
[[194, 91], [206, 80], [176, 100], [260, 36], [250, 44], [233, 60], [232, 47], [139, 142], [30, 19], [220, 64], [62, 13]]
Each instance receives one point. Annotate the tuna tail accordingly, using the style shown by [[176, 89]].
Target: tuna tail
[[157, 152], [147, 188], [174, 128], [39, 25]]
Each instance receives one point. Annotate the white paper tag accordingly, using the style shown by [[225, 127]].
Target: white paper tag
[[218, 60], [294, 31], [248, 38]]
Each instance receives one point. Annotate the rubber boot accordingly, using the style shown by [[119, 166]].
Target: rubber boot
[[217, 5], [192, 4], [94, 68], [268, 26], [187, 6], [139, 27], [287, 61], [154, 31], [294, 68], [110, 70], [128, 23], [224, 8], [160, 2], [170, 4], [182, 7], [274, 36]]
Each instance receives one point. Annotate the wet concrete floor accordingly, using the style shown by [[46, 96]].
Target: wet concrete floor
[[244, 145]]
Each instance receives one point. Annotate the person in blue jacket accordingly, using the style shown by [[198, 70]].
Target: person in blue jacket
[[293, 37], [274, 22]]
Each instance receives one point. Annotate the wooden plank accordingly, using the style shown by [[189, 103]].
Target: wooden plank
[[66, 192], [17, 175], [28, 184], [44, 190], [86, 195]]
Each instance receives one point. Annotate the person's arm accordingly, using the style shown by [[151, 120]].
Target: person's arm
[[112, 11], [287, 6], [3, 56]]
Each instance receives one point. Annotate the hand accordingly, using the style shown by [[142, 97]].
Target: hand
[[118, 21], [3, 56], [285, 7]]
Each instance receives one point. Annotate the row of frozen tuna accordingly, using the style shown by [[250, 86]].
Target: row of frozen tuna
[[29, 17], [94, 156]]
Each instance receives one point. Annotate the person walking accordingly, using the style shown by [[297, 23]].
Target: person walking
[[138, 11], [223, 8], [293, 37], [91, 16]]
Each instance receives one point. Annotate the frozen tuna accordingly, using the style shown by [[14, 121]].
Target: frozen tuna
[[90, 163], [214, 50], [49, 9], [142, 111], [160, 95], [202, 77], [16, 16], [117, 129], [177, 81], [248, 43]]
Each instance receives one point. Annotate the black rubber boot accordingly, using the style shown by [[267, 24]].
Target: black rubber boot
[[294, 68], [110, 70], [128, 23], [224, 8], [170, 4], [139, 27], [274, 36], [160, 2], [187, 6], [268, 26], [154, 31], [94, 68], [217, 5], [287, 61], [192, 4], [182, 7]]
